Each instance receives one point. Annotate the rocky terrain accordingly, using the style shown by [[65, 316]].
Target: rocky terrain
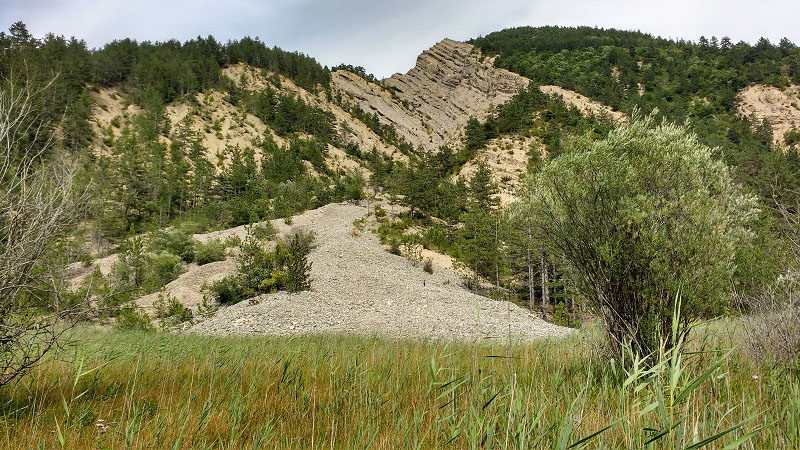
[[430, 104], [359, 287], [780, 108]]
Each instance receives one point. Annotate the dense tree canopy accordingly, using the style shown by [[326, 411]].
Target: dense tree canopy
[[639, 218]]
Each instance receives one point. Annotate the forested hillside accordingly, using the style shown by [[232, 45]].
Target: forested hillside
[[595, 179], [684, 80]]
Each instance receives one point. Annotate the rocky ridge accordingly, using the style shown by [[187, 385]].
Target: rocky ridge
[[430, 104]]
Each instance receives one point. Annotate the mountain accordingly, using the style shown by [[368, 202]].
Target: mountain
[[431, 103]]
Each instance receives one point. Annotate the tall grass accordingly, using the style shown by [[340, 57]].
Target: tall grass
[[117, 389]]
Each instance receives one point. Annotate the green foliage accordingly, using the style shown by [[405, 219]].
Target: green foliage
[[163, 267], [562, 316], [286, 113], [209, 251], [260, 271], [639, 217], [263, 231], [298, 269], [681, 80], [132, 317], [227, 291], [386, 131], [170, 312], [137, 272], [176, 242]]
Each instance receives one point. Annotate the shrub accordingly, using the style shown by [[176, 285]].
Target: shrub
[[162, 268], [637, 217], [132, 317], [771, 328], [170, 312], [255, 264], [394, 247], [227, 291], [276, 282], [263, 231], [176, 242], [208, 252], [306, 239], [562, 316], [298, 269], [428, 265]]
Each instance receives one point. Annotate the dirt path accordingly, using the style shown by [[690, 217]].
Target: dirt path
[[358, 287]]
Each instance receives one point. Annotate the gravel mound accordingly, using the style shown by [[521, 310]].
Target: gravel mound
[[358, 287]]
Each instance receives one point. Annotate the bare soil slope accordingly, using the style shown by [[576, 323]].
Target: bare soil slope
[[584, 104], [360, 288], [780, 108]]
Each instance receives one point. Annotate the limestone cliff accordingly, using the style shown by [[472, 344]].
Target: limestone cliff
[[430, 104]]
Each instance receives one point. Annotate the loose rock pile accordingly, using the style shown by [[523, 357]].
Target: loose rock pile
[[358, 287]]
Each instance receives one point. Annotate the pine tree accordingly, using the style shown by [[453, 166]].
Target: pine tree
[[482, 188], [298, 268]]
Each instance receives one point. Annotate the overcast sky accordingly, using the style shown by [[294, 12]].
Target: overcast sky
[[385, 36]]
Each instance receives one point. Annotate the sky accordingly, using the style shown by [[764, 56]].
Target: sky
[[385, 36]]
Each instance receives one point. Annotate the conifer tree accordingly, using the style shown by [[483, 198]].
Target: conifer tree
[[298, 268]]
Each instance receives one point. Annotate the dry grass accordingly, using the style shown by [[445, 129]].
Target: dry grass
[[118, 389]]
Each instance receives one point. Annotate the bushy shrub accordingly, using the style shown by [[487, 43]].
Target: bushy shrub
[[306, 239], [262, 272], [255, 263], [276, 282], [208, 252], [298, 269], [163, 267], [176, 242], [132, 317], [170, 312], [428, 265], [638, 218], [562, 316], [227, 291], [263, 231]]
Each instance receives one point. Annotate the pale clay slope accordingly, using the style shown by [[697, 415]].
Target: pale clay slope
[[507, 158], [360, 288], [584, 104], [781, 108], [352, 130]]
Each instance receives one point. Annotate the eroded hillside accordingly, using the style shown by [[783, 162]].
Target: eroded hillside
[[430, 104], [780, 108]]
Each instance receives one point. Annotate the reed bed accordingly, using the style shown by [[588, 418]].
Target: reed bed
[[153, 390]]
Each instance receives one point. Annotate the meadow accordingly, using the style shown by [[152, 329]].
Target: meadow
[[122, 389]]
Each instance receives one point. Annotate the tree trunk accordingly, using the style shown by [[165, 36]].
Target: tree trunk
[[545, 286], [497, 253], [530, 280]]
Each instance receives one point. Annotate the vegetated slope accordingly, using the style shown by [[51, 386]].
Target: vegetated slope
[[507, 157], [779, 108], [584, 104], [430, 104], [351, 130], [698, 81], [359, 287]]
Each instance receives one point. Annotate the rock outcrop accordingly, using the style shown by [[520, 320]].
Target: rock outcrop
[[780, 108], [430, 104]]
